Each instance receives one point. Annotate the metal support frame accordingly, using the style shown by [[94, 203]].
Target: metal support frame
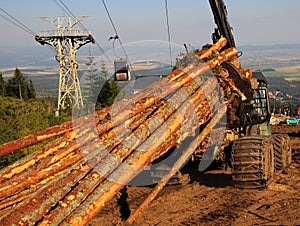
[[66, 42]]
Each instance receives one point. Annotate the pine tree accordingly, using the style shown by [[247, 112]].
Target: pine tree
[[114, 91], [99, 90], [17, 86], [104, 93], [2, 86], [31, 90], [91, 84], [10, 89], [109, 90]]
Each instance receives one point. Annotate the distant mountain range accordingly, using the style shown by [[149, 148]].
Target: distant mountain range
[[270, 47], [43, 56], [40, 58], [26, 56], [39, 64]]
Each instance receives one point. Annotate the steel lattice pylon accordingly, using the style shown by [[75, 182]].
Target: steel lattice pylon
[[66, 42]]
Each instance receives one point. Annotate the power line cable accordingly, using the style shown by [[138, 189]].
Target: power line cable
[[168, 30]]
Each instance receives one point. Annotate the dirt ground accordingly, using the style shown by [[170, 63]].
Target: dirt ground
[[210, 199]]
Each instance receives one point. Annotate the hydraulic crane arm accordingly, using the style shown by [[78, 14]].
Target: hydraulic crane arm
[[221, 19]]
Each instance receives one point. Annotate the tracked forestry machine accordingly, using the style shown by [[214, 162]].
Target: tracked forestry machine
[[256, 153], [249, 147]]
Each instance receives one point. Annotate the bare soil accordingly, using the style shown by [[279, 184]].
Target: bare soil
[[210, 199]]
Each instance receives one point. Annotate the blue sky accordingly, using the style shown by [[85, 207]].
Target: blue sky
[[255, 22]]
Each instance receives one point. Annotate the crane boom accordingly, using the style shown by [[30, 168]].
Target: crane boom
[[221, 19]]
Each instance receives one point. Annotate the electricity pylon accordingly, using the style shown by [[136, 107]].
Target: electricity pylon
[[66, 42]]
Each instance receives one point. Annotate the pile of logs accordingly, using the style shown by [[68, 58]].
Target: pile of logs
[[90, 159]]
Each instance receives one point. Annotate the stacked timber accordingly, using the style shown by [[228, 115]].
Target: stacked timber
[[90, 159]]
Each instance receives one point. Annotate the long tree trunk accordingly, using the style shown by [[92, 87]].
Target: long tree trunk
[[20, 90]]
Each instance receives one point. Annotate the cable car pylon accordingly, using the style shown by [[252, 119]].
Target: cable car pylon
[[66, 41]]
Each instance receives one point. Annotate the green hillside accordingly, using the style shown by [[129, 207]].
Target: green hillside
[[19, 118]]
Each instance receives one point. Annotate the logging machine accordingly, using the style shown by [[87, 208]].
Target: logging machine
[[255, 153], [249, 146]]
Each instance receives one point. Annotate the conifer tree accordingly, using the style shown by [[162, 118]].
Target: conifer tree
[[99, 90], [31, 90], [109, 90], [2, 86], [17, 86], [91, 84], [10, 89]]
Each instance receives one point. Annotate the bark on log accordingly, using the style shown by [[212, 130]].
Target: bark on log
[[107, 189], [38, 137], [180, 162], [93, 179]]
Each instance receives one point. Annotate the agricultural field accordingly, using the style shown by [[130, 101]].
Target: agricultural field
[[285, 80], [289, 73]]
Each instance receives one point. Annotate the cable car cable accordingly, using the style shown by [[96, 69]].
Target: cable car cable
[[17, 23], [14, 23], [66, 10], [62, 8], [72, 14], [20, 25], [116, 33], [114, 27], [168, 30]]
